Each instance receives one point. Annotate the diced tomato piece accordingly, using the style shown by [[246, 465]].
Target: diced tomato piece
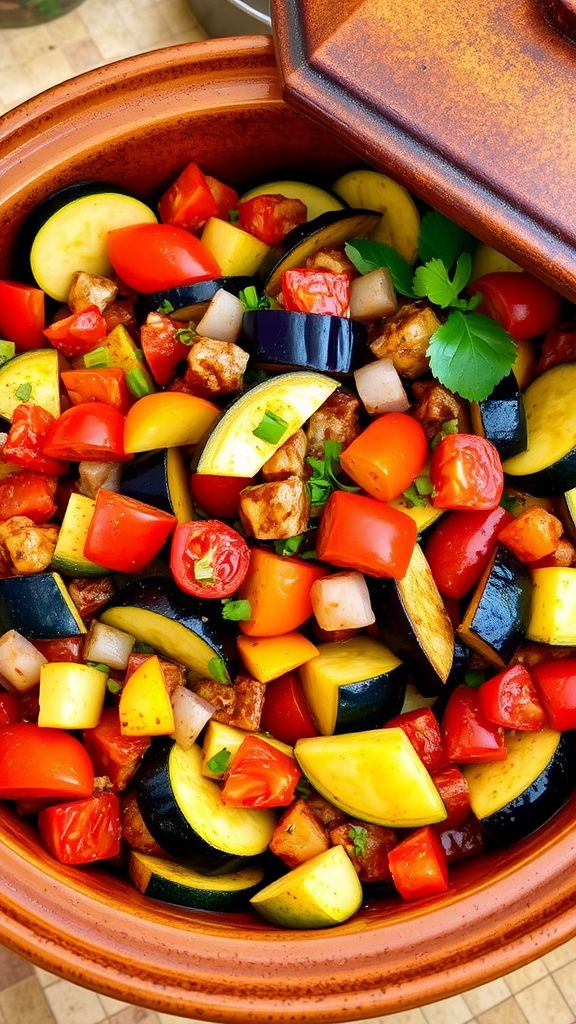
[[162, 349], [461, 546], [10, 708], [188, 201], [468, 736], [22, 316], [286, 714], [271, 217], [453, 788], [225, 197], [107, 385], [510, 699], [559, 346], [260, 776], [67, 648], [361, 533], [466, 473], [92, 431], [418, 865], [28, 494], [114, 754], [152, 257], [423, 731], [124, 534], [83, 831], [42, 763], [25, 442], [556, 684], [462, 841], [218, 496], [305, 290], [534, 534], [79, 333]]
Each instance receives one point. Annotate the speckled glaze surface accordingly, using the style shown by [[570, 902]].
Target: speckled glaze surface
[[471, 105], [137, 123]]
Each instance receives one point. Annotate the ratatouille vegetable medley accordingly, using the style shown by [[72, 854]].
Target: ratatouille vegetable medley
[[287, 528]]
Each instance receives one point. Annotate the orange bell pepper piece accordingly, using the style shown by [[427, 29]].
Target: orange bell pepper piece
[[278, 590], [534, 534]]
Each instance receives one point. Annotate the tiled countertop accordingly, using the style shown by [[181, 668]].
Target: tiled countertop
[[31, 60]]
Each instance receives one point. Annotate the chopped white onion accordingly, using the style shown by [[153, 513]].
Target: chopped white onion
[[222, 320], [380, 389], [108, 645], [20, 662], [342, 601], [191, 712], [373, 295], [94, 475]]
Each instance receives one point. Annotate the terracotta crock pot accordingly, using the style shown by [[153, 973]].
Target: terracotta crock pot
[[137, 123]]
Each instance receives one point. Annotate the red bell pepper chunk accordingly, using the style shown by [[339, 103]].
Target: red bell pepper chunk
[[260, 776], [162, 349], [306, 290], [28, 494], [189, 201], [423, 731], [510, 699], [461, 546], [226, 198], [453, 788], [418, 865], [362, 533], [271, 217], [10, 708], [106, 384], [92, 432], [124, 534], [83, 831], [79, 333], [286, 714], [468, 736], [556, 684], [25, 442], [114, 754], [42, 763], [22, 315], [462, 841], [67, 648]]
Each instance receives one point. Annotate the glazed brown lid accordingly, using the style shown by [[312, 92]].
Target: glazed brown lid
[[470, 103]]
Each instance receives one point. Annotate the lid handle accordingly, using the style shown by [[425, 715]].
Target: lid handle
[[561, 14]]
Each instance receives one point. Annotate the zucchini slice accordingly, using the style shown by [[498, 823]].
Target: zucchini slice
[[498, 614], [178, 626], [36, 370], [513, 798], [501, 418], [181, 884], [316, 200], [353, 685], [74, 234], [548, 466], [414, 623], [568, 511], [188, 301], [423, 515], [38, 606], [280, 338], [331, 230], [160, 479], [553, 611], [399, 225], [324, 890], [187, 817], [375, 776], [233, 449], [68, 557]]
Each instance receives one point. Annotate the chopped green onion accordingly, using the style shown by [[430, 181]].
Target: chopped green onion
[[309, 556], [289, 546], [7, 351], [424, 485], [509, 502], [236, 611], [99, 665], [220, 762], [271, 428], [138, 382], [448, 427], [187, 335], [217, 669], [233, 216], [113, 686], [358, 834], [474, 679], [23, 392], [166, 307], [251, 300], [413, 498], [303, 788], [204, 569], [97, 358]]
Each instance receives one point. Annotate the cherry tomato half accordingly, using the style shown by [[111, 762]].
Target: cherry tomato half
[[151, 257], [208, 559], [43, 763], [91, 432], [271, 217], [466, 472], [520, 303]]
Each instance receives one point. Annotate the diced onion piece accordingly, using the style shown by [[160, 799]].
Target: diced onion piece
[[107, 645], [373, 295], [94, 475], [223, 318], [380, 389], [342, 601], [191, 712], [20, 662]]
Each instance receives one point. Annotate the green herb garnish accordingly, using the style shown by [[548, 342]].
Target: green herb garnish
[[113, 686], [433, 281], [187, 335], [138, 382], [166, 307], [414, 499], [442, 238], [99, 665], [236, 611], [233, 216], [358, 834], [509, 502], [325, 479], [289, 546], [204, 569], [303, 788], [23, 392], [448, 427], [140, 648], [97, 358], [251, 300], [470, 354], [218, 671], [271, 428], [220, 762], [367, 256], [474, 679], [253, 376]]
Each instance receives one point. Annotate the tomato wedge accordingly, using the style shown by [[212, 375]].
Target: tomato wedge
[[22, 315], [271, 217], [460, 547], [208, 558], [286, 714], [25, 441], [90, 432], [418, 865], [28, 494], [124, 534], [43, 763], [151, 257], [218, 496], [83, 831], [260, 776], [510, 699]]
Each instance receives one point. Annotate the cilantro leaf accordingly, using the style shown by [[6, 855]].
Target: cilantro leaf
[[23, 392], [220, 762], [325, 477], [433, 281], [217, 669], [470, 354], [358, 834], [367, 256], [166, 307], [236, 611], [440, 238]]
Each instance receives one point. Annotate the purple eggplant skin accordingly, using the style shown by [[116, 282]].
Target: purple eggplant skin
[[309, 341], [192, 297], [504, 419]]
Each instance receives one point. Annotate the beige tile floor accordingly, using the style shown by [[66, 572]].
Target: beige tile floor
[[34, 59]]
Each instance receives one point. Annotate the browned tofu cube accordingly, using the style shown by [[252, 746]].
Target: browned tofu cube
[[405, 339], [276, 510], [289, 460], [90, 290], [215, 367], [299, 835], [335, 420], [434, 405], [367, 846], [239, 704]]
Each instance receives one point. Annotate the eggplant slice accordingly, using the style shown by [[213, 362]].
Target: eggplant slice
[[188, 301], [281, 339], [501, 418], [498, 614]]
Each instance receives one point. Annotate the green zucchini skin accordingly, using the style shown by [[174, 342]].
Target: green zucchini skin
[[503, 418], [189, 296], [503, 611], [184, 890], [370, 702], [550, 482], [38, 606], [148, 479], [542, 798]]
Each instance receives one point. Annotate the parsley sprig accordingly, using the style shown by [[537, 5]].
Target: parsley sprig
[[469, 353], [325, 478], [359, 835]]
